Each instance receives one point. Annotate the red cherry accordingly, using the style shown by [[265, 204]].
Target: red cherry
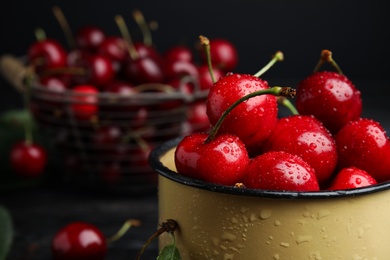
[[114, 47], [99, 70], [306, 137], [351, 178], [144, 70], [147, 51], [253, 120], [222, 160], [89, 38], [223, 54], [179, 68], [54, 83], [205, 80], [84, 102], [197, 117], [79, 241], [278, 170], [47, 54], [331, 97], [179, 52], [28, 160], [364, 143]]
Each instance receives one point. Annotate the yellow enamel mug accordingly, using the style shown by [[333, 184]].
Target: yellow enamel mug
[[227, 223]]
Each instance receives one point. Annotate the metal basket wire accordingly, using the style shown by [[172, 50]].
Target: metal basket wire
[[139, 121]]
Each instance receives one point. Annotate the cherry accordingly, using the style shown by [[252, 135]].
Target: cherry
[[252, 121], [306, 137], [197, 117], [99, 70], [351, 178], [223, 53], [79, 241], [28, 159], [363, 143], [222, 160], [115, 49], [329, 96], [179, 52], [46, 53], [88, 38], [279, 170], [205, 79], [84, 102], [54, 83], [179, 68]]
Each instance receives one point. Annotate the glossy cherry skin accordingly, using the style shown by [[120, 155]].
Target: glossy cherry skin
[[84, 102], [223, 54], [253, 120], [47, 54], [179, 68], [330, 97], [306, 137], [28, 160], [114, 47], [351, 178], [89, 37], [364, 144], [222, 160], [278, 170], [144, 70], [79, 241]]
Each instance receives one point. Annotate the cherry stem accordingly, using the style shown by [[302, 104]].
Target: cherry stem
[[278, 56], [288, 104], [326, 56], [63, 22], [126, 226], [276, 91], [140, 20], [40, 34], [127, 37], [205, 43], [28, 81], [169, 226]]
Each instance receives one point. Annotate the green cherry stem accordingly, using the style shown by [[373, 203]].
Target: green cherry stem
[[126, 226], [140, 20], [205, 43], [127, 37], [326, 56], [40, 34], [278, 56], [276, 91], [288, 104], [63, 22]]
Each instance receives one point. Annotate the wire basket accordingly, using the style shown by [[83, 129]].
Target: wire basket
[[109, 150]]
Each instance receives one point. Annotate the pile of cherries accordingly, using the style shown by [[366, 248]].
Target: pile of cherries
[[108, 100], [324, 144]]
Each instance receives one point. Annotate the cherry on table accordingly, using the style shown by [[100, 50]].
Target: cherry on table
[[79, 241], [28, 159]]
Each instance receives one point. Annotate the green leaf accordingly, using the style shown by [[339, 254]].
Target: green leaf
[[169, 252], [6, 232]]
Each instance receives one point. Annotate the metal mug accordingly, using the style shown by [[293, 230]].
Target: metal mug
[[227, 223]]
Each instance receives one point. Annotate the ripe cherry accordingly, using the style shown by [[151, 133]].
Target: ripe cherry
[[279, 170], [351, 178], [84, 102], [179, 52], [329, 96], [253, 120], [179, 68], [205, 80], [222, 160], [306, 137], [28, 159], [89, 38], [364, 144], [79, 241], [46, 53], [223, 53]]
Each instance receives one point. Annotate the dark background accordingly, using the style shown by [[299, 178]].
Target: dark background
[[355, 31]]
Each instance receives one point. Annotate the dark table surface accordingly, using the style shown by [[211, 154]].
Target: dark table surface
[[38, 211]]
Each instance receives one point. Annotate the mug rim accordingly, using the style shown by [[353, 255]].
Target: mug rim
[[159, 168]]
